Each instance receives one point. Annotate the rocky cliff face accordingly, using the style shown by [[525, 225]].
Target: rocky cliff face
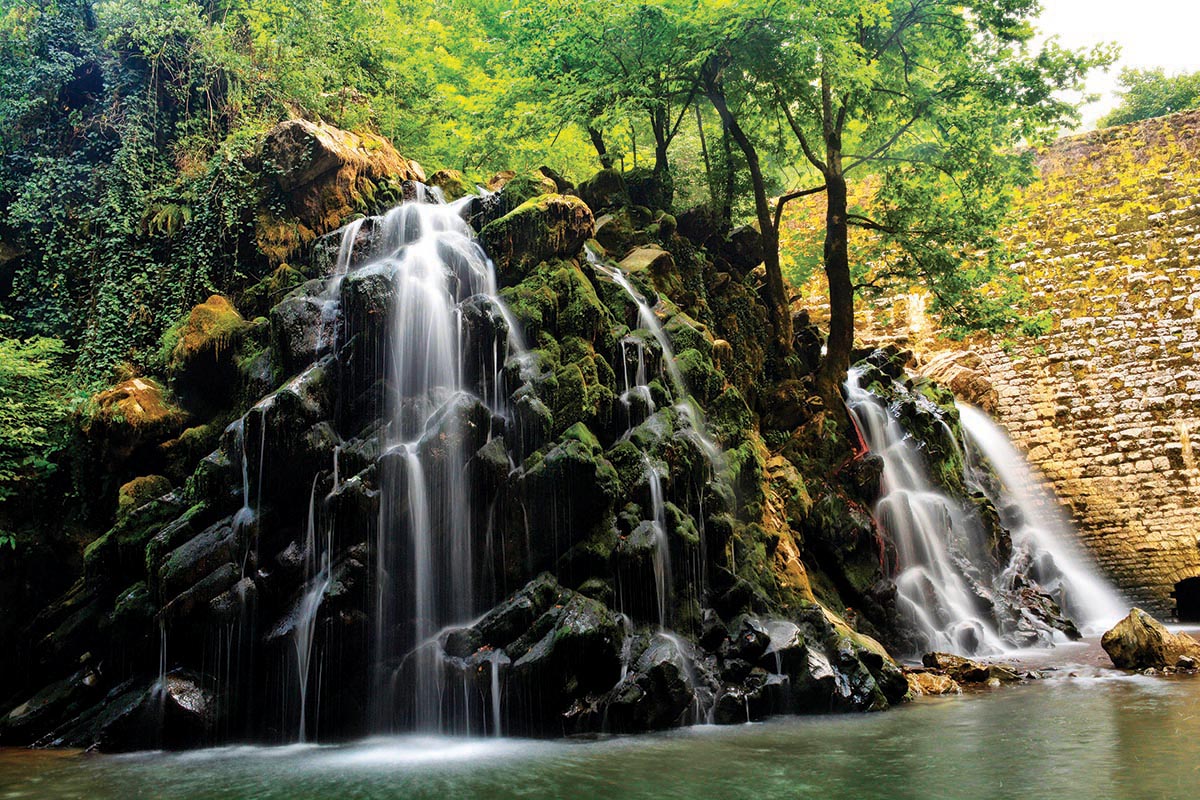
[[393, 487], [564, 495]]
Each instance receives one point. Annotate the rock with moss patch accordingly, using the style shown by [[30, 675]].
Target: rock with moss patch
[[138, 412], [451, 182], [200, 351], [324, 175], [543, 228]]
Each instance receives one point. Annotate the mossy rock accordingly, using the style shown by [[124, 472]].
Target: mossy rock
[[544, 228], [656, 265], [556, 299], [119, 421], [140, 491], [200, 352], [522, 188], [206, 330], [650, 188], [703, 380], [119, 554], [606, 189], [258, 299], [451, 182]]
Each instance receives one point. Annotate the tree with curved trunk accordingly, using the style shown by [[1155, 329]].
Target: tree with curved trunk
[[927, 102]]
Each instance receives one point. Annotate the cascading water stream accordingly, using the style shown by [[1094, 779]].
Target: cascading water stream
[[424, 549], [317, 563], [646, 316], [1040, 529], [637, 399], [663, 581], [931, 588], [952, 582]]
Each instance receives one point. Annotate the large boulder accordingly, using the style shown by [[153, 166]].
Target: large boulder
[[965, 374], [200, 350], [1141, 642], [605, 189], [544, 228], [325, 174], [119, 421]]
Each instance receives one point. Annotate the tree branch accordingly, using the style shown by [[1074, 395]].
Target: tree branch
[[795, 126], [779, 204]]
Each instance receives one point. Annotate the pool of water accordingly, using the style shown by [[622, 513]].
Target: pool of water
[[1085, 732]]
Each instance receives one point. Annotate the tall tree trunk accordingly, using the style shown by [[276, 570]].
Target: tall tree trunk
[[597, 137], [832, 373], [730, 176], [704, 146], [841, 292], [777, 299]]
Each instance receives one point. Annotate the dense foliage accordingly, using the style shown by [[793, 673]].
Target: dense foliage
[[1153, 93]]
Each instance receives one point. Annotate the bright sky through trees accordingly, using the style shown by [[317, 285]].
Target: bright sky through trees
[[1151, 33]]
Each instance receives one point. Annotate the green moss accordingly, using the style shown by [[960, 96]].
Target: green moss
[[139, 491], [544, 228], [702, 378]]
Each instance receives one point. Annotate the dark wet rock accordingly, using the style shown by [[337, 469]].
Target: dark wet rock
[[569, 492], [508, 620], [571, 653], [701, 224], [219, 544], [650, 188], [750, 641], [743, 249], [604, 190], [657, 689], [300, 332], [179, 713]]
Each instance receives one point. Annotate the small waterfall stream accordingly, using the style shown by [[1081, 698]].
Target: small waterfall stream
[[922, 521], [1044, 541], [317, 567], [948, 586]]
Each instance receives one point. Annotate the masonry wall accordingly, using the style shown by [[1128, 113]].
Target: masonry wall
[[1108, 403]]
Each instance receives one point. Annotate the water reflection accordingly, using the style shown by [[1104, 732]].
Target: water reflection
[[1108, 736]]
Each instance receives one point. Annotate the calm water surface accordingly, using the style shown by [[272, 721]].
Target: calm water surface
[[1099, 734]]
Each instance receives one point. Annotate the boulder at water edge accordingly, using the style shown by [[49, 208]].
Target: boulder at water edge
[[1140, 641]]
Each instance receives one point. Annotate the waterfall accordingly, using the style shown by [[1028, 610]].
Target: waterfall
[[1041, 531], [931, 588], [663, 581], [424, 551], [317, 566], [950, 587], [638, 402], [646, 316]]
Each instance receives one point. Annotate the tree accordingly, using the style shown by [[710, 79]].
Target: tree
[[1152, 93], [930, 100], [601, 62]]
